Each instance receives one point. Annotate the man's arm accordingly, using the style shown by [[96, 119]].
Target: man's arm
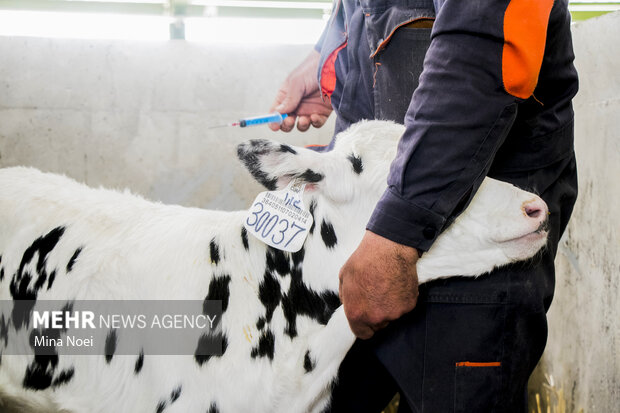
[[484, 57]]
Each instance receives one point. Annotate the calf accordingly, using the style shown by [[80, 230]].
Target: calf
[[283, 331]]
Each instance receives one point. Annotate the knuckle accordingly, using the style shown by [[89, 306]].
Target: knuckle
[[404, 309], [355, 315], [377, 317]]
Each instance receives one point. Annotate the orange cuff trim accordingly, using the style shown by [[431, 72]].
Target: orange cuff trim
[[473, 364], [525, 35], [328, 72], [315, 146]]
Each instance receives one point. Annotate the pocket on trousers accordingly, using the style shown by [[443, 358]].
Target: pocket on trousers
[[477, 387], [397, 70]]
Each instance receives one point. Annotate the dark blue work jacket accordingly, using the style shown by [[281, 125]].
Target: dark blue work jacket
[[494, 97]]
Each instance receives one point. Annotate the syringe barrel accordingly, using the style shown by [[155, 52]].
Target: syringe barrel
[[259, 120]]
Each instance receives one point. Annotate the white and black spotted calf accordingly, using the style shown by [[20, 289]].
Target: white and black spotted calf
[[284, 333]]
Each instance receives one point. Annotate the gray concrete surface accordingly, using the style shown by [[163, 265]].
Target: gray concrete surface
[[583, 351], [136, 114]]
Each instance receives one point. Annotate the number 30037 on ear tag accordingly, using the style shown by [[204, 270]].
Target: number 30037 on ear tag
[[279, 218]]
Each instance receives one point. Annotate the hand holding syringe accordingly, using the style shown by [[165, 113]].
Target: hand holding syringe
[[298, 102], [275, 117], [301, 97]]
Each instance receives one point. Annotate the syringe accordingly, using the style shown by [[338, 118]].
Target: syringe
[[257, 120]]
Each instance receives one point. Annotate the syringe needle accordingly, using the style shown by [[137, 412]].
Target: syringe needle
[[223, 126]]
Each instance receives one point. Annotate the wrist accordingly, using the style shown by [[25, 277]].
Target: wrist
[[405, 252]]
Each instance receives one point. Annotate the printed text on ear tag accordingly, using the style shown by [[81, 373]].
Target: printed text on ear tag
[[279, 218]]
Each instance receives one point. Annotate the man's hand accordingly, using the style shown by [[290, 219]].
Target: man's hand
[[300, 97], [378, 284]]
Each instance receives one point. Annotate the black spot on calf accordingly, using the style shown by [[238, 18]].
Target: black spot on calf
[[305, 301], [310, 176], [40, 281], [249, 155], [332, 302], [299, 300], [218, 290], [43, 246], [312, 208], [286, 148], [244, 238], [139, 363], [51, 279], [214, 250], [23, 294], [64, 377], [269, 294], [74, 257], [328, 234], [309, 364], [266, 346], [176, 393], [4, 330], [356, 161], [213, 408], [298, 257], [205, 342], [40, 372], [277, 261], [110, 345], [161, 406]]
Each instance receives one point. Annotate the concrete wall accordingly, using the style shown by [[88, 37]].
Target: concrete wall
[[136, 114], [583, 352]]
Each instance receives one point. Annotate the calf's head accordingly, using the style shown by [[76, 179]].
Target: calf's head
[[502, 224]]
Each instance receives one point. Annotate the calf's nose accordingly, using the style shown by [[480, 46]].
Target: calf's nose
[[536, 209]]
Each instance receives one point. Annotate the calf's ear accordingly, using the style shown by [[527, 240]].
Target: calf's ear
[[274, 164]]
